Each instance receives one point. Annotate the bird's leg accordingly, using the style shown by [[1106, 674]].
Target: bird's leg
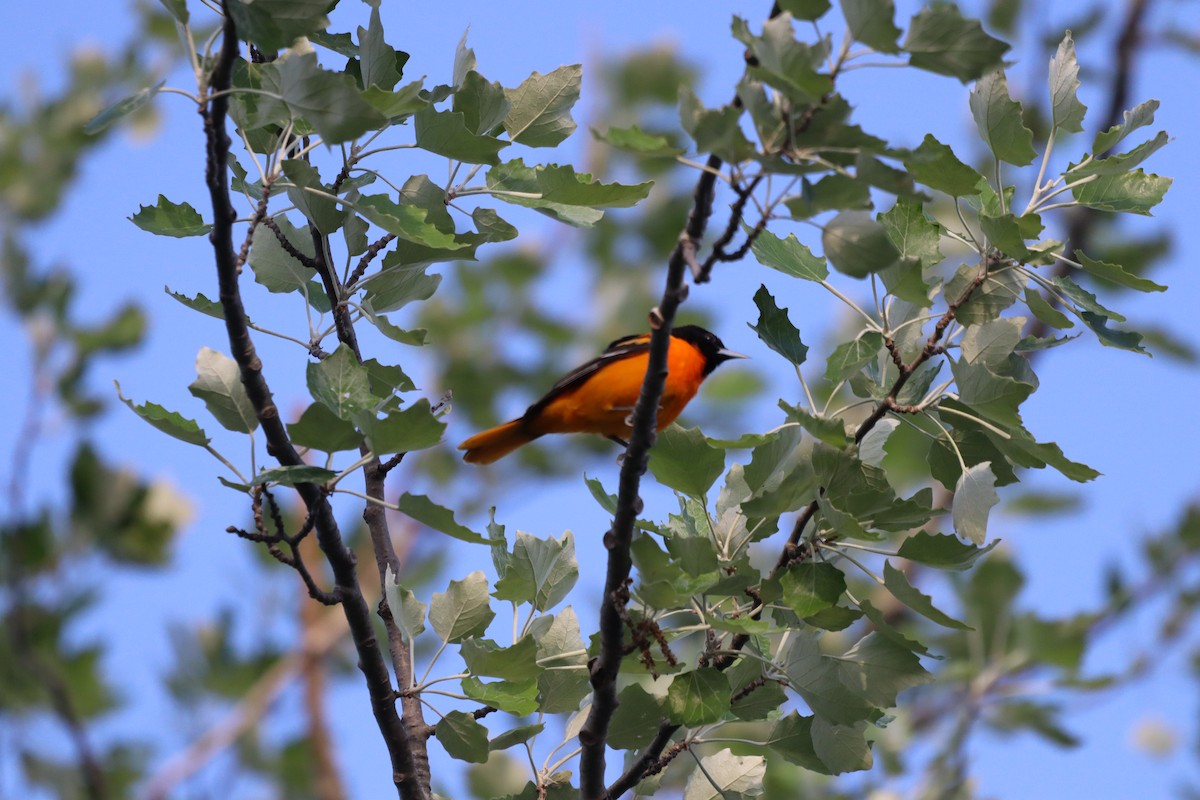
[[618, 440]]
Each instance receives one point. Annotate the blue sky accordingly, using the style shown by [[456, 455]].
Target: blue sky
[[1126, 415]]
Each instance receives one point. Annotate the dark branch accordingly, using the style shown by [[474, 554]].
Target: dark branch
[[366, 259], [374, 478], [288, 247], [279, 446]]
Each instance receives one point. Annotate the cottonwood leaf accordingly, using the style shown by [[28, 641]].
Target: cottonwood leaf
[[219, 384], [540, 115], [441, 519], [170, 219], [171, 423], [974, 496], [462, 610]]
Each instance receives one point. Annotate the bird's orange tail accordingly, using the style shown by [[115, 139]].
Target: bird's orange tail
[[495, 443]]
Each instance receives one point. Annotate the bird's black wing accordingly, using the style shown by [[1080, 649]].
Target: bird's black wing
[[622, 348]]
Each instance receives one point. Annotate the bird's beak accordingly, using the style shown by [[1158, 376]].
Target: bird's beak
[[725, 354]]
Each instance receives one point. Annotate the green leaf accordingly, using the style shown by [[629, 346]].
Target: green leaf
[[841, 748], [429, 513], [791, 737], [635, 140], [377, 59], [561, 184], [785, 63], [1117, 274], [200, 303], [816, 678], [514, 663], [515, 736], [974, 496], [1122, 162], [607, 501], [997, 396], [273, 266], [1122, 340], [561, 193], [321, 429], [407, 611], [716, 131], [941, 40], [564, 680], [462, 610], [177, 9], [915, 236], [942, 550], [324, 212], [805, 9], [1133, 192], [464, 61], [830, 430], [399, 104], [878, 669], [872, 22], [329, 101], [683, 460], [481, 102], [897, 583], [724, 776], [776, 330], [810, 587], [445, 133], [397, 286], [1046, 313], [294, 475], [1005, 234], [1139, 117], [341, 384], [414, 428], [542, 570], [849, 357], [490, 224], [998, 119], [541, 107], [789, 256], [276, 24], [697, 697], [122, 108], [935, 165], [991, 343], [517, 697], [857, 245], [169, 422], [636, 719], [463, 737], [1066, 112], [219, 384], [1081, 298], [170, 219]]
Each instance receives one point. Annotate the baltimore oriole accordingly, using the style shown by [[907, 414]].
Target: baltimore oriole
[[599, 396]]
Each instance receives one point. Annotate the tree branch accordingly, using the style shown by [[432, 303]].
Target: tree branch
[[375, 517], [341, 560], [606, 667]]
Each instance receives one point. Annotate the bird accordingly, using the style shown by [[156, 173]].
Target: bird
[[598, 397]]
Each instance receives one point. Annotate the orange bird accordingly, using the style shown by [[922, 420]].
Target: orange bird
[[599, 396]]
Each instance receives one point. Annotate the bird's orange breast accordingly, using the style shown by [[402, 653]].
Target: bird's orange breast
[[604, 402]]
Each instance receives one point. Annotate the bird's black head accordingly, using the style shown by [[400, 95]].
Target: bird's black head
[[712, 348]]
